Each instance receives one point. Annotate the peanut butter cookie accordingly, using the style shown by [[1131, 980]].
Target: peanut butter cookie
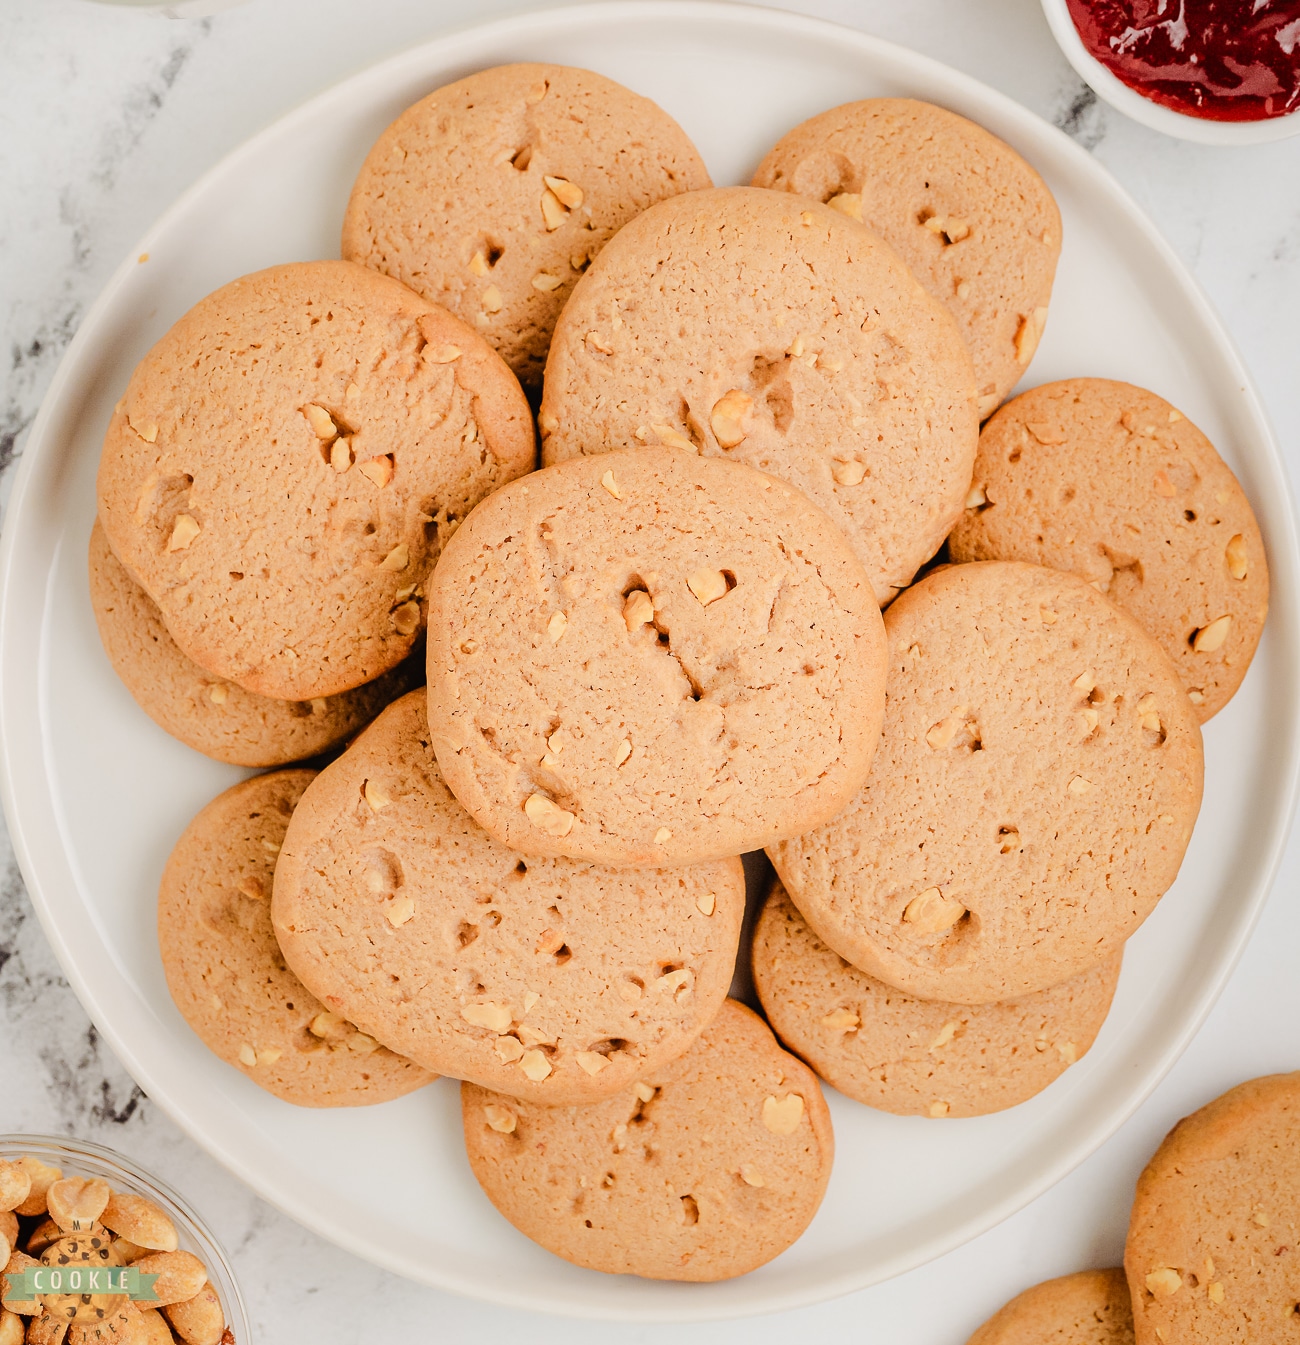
[[1035, 788], [492, 195], [652, 659], [286, 465], [913, 1056], [553, 980], [213, 716], [1213, 1252], [702, 1171], [1113, 483], [756, 326], [227, 975], [1088, 1308], [976, 224]]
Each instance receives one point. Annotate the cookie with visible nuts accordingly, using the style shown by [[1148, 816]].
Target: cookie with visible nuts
[[1090, 1307], [287, 463], [213, 716], [1035, 787], [1112, 482], [697, 635], [1212, 1250], [772, 331], [492, 195], [227, 975], [975, 223], [702, 1171], [558, 981], [917, 1057]]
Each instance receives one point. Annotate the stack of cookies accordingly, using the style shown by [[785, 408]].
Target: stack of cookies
[[759, 410]]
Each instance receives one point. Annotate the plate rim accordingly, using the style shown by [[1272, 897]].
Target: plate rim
[[1284, 561]]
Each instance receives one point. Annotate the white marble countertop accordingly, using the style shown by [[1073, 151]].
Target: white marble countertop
[[106, 115]]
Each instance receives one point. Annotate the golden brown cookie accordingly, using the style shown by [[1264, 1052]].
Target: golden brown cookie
[[1112, 482], [287, 462], [652, 659], [213, 716], [225, 970], [557, 981], [1213, 1251], [702, 1171], [913, 1056], [759, 327], [1034, 790], [1088, 1308], [976, 224], [493, 194]]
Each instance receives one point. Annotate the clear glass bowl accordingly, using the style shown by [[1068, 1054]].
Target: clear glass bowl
[[82, 1158]]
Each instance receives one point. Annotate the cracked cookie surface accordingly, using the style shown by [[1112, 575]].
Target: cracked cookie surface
[[492, 195], [227, 975], [1113, 483], [773, 331], [703, 1171], [1088, 1308], [1034, 791], [551, 979], [213, 716], [1213, 1243], [287, 462], [975, 223], [652, 659], [911, 1056]]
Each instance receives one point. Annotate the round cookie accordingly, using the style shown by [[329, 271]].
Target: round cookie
[[651, 659], [1212, 1251], [773, 331], [225, 970], [553, 980], [1035, 788], [215, 717], [1113, 483], [916, 1057], [1088, 1308], [493, 194], [974, 222], [703, 1171], [287, 463]]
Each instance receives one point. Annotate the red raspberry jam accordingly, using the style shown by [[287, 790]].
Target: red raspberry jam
[[1225, 60]]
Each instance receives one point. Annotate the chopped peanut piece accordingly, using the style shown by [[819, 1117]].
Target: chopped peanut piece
[[320, 420], [326, 1025], [728, 416], [671, 438], [379, 470], [341, 454], [219, 694], [842, 1020], [847, 203], [751, 1176], [932, 912], [591, 1061], [1079, 785], [782, 1115], [707, 585], [148, 431], [945, 1034], [1235, 555], [545, 282], [611, 485], [976, 497], [1029, 334], [569, 194], [623, 751], [1214, 1291], [556, 627], [548, 815], [442, 354], [1163, 1281], [501, 1119], [849, 472], [663, 836], [638, 609], [492, 300], [535, 1065], [509, 1049], [184, 531], [1211, 637], [491, 1015], [406, 618], [706, 903], [553, 212], [400, 910], [397, 559], [377, 796]]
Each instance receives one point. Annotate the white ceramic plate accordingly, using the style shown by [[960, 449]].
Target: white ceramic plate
[[96, 795]]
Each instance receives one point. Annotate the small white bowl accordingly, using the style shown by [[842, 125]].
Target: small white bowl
[[1155, 115]]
